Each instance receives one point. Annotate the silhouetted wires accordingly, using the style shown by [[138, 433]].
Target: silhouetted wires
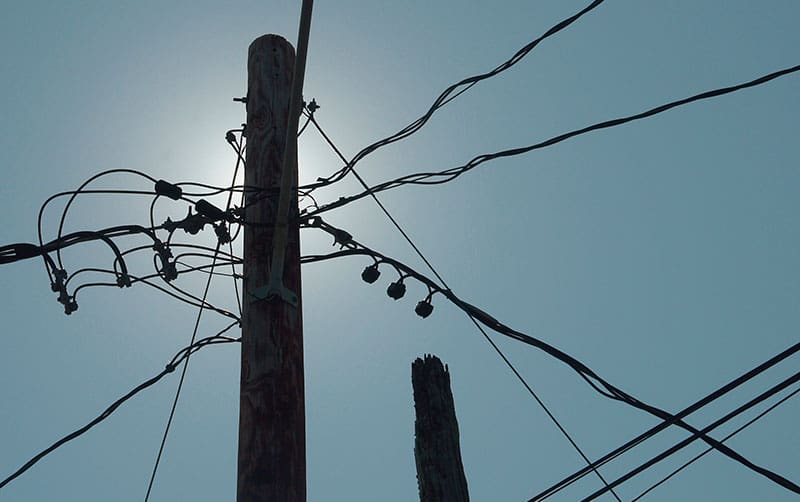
[[488, 339], [447, 175], [697, 405], [446, 96], [238, 146], [593, 379], [170, 367], [704, 452], [681, 444]]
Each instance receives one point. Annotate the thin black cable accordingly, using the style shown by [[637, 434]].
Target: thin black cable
[[480, 328], [697, 405], [592, 378], [440, 177], [191, 300], [707, 450], [696, 435], [239, 162], [116, 404], [194, 334], [447, 95], [180, 386]]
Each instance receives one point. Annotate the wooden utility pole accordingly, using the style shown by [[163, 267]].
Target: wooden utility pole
[[440, 472], [272, 444]]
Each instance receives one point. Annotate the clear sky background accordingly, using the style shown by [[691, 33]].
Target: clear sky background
[[662, 253]]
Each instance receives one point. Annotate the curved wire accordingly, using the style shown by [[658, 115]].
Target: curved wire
[[704, 452], [447, 175], [584, 371], [697, 434], [170, 367], [447, 95]]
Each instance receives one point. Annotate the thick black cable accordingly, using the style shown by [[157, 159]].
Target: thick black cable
[[472, 319], [194, 334], [116, 404], [180, 387], [80, 189], [696, 435], [191, 300], [584, 371], [713, 396], [709, 449], [447, 95], [440, 177]]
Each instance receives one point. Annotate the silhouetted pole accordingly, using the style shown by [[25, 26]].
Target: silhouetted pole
[[440, 473], [272, 453]]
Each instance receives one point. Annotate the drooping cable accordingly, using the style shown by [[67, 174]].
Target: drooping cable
[[697, 405], [696, 435], [448, 95], [485, 335], [186, 361], [707, 450], [447, 175], [170, 367], [593, 379]]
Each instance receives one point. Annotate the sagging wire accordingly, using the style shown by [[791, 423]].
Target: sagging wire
[[707, 450], [447, 175], [447, 96], [169, 368], [593, 379]]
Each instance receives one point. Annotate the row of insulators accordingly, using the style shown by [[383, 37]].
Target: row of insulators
[[397, 290]]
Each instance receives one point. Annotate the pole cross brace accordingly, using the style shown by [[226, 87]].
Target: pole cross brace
[[274, 290]]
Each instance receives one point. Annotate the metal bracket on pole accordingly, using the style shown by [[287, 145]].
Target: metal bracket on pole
[[275, 289], [275, 286]]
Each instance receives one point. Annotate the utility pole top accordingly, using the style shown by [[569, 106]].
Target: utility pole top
[[440, 472]]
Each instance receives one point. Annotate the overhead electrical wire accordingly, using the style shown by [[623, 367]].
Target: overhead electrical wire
[[593, 379], [707, 450], [447, 175], [194, 332], [697, 405], [170, 367], [500, 353], [696, 435], [448, 95], [485, 335]]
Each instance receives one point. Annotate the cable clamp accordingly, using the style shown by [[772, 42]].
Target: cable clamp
[[273, 291]]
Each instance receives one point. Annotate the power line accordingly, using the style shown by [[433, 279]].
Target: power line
[[471, 317], [440, 177], [593, 379], [761, 397], [448, 95], [704, 452], [697, 405], [170, 367], [194, 334]]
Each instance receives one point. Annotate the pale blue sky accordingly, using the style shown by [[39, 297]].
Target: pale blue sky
[[663, 253]]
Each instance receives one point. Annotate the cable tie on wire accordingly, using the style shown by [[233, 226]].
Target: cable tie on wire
[[169, 368], [169, 271], [209, 210], [223, 234], [60, 277], [167, 189], [193, 223], [342, 237], [124, 281]]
